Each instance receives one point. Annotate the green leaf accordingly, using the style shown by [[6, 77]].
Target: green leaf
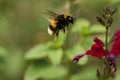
[[97, 28], [14, 63], [74, 51], [86, 72], [81, 26], [83, 60], [71, 53], [88, 41], [3, 52], [44, 71], [55, 56], [37, 52], [3, 57], [117, 74]]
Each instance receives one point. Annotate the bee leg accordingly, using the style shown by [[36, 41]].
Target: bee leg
[[67, 25], [57, 33], [64, 30]]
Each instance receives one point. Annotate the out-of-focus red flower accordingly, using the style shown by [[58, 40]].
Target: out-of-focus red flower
[[117, 34], [97, 49], [116, 47]]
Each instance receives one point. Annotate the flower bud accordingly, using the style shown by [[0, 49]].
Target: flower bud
[[76, 58], [111, 59], [113, 68], [109, 21], [113, 11], [99, 19]]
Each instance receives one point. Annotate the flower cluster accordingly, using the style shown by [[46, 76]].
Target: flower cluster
[[97, 50], [100, 49]]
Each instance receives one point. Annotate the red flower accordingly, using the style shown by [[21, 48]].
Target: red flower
[[97, 49], [116, 47], [98, 41]]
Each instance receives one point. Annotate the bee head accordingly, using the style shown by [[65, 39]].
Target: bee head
[[70, 19]]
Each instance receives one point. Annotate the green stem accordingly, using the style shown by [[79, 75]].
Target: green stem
[[67, 46], [106, 48], [106, 39], [104, 73]]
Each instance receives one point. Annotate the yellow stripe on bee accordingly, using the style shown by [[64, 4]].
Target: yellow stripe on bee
[[65, 16], [53, 23]]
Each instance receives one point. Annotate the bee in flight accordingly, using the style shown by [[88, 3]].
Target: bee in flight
[[58, 22]]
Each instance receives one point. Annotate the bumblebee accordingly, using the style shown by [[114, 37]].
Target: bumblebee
[[58, 22]]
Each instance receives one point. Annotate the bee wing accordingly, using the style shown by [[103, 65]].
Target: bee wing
[[49, 15], [52, 13], [65, 9]]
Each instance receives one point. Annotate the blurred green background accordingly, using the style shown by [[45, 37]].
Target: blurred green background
[[28, 52]]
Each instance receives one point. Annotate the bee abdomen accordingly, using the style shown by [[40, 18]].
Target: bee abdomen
[[51, 30]]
